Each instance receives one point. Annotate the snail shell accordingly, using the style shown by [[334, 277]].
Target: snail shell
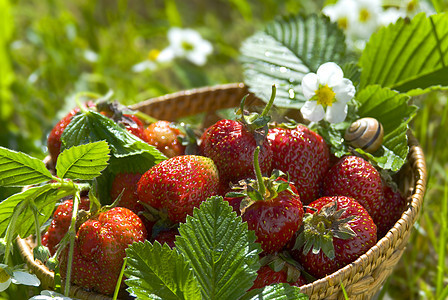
[[365, 133]]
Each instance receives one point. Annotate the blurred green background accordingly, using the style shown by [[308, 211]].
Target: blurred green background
[[51, 49]]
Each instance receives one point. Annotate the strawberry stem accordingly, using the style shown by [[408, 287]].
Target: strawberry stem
[[72, 235], [270, 103], [260, 181]]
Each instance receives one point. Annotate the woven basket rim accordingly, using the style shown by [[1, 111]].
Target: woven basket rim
[[374, 256]]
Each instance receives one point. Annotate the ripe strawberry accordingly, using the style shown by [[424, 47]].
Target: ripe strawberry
[[134, 125], [267, 276], [54, 138], [393, 208], [231, 144], [303, 154], [177, 185], [100, 249], [355, 177], [126, 183], [166, 138], [167, 236], [60, 223], [336, 234], [271, 209]]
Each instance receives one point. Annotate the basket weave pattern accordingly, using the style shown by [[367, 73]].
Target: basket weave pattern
[[361, 279]]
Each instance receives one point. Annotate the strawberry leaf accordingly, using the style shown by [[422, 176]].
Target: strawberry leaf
[[393, 111], [408, 56], [20, 169], [221, 250], [91, 127], [83, 162], [158, 272], [45, 198], [285, 51], [281, 291]]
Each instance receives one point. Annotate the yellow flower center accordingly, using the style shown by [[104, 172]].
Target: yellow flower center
[[153, 54], [3, 276], [343, 23], [364, 15], [325, 96], [187, 46], [411, 6]]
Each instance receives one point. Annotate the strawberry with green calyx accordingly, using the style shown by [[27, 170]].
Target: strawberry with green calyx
[[336, 231], [302, 154], [100, 247], [231, 143], [271, 209], [355, 177], [279, 269], [177, 185]]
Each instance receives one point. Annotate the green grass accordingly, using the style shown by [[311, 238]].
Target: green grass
[[42, 67]]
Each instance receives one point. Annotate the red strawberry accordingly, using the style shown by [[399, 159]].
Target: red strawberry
[[166, 138], [126, 183], [267, 276], [393, 208], [271, 208], [61, 222], [134, 125], [355, 177], [100, 249], [167, 236], [231, 144], [335, 235], [303, 154], [179, 184]]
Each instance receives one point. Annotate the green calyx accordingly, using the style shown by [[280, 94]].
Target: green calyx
[[262, 188], [255, 122], [320, 228]]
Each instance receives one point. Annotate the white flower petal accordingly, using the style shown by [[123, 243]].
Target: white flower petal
[[144, 65], [25, 278], [336, 113], [166, 55], [313, 112], [344, 91], [310, 83], [5, 285], [330, 73]]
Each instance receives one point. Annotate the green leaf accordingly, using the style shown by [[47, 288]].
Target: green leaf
[[45, 198], [158, 272], [83, 162], [408, 56], [285, 51], [281, 291], [221, 250], [91, 127], [20, 169], [393, 111]]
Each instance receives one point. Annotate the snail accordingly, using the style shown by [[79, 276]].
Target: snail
[[365, 133]]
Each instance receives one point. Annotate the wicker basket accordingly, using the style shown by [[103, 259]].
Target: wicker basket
[[361, 279]]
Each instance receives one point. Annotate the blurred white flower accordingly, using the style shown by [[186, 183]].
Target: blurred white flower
[[327, 94], [150, 63], [186, 43], [391, 15], [366, 19], [17, 277], [50, 295], [342, 12], [90, 55], [413, 7]]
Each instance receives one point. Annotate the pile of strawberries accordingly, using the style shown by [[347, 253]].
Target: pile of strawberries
[[311, 211]]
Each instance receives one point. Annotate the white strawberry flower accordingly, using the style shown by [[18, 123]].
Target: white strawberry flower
[[17, 277], [50, 295], [186, 43], [150, 63], [327, 93]]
